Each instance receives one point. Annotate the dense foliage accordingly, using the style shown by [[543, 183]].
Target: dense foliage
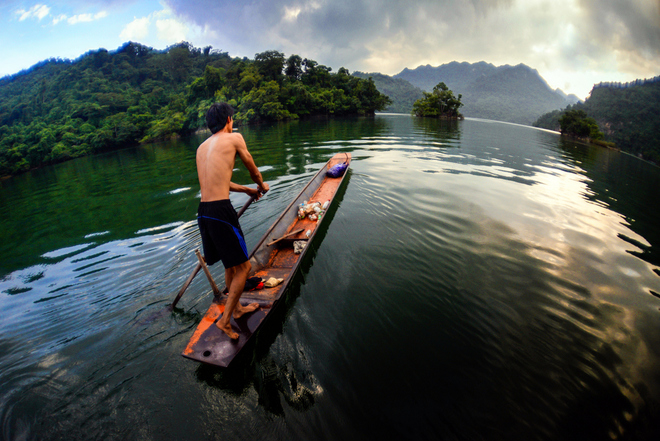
[[627, 114], [61, 109], [401, 92], [576, 123], [440, 103]]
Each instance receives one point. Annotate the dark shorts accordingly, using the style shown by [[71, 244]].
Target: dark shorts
[[222, 237]]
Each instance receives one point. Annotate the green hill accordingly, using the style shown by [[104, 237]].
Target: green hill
[[628, 114], [62, 109]]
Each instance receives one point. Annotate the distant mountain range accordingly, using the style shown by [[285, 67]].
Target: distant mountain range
[[515, 94]]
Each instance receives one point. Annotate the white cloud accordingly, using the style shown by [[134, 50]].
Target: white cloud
[[291, 13], [167, 29], [36, 11], [84, 18], [59, 18], [138, 29], [171, 30], [42, 11], [163, 13]]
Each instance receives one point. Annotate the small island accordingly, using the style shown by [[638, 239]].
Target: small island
[[441, 103], [577, 124]]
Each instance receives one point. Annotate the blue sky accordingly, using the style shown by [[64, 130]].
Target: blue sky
[[572, 43], [34, 31]]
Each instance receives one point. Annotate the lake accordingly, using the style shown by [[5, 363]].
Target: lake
[[478, 281]]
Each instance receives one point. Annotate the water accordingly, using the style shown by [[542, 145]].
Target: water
[[478, 280]]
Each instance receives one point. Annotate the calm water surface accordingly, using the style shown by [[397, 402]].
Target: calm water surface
[[477, 281]]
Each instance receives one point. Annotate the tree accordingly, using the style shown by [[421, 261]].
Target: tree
[[270, 65], [315, 74], [370, 100], [293, 68], [440, 103], [576, 123], [179, 61]]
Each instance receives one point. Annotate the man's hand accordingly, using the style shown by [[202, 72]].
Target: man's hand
[[254, 192]]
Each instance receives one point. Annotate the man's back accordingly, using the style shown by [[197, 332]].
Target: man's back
[[215, 163]]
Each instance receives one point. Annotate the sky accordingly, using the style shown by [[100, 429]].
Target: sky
[[573, 44]]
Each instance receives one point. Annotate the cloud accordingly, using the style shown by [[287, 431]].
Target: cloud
[[80, 18], [172, 30], [136, 30], [36, 11], [331, 28], [59, 18], [387, 35], [168, 29], [629, 28], [85, 18]]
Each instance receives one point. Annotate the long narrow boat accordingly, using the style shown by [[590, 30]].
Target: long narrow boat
[[274, 257]]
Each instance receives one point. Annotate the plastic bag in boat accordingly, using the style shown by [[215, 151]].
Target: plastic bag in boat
[[337, 170]]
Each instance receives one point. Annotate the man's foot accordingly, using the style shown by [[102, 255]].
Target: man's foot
[[240, 309], [227, 329]]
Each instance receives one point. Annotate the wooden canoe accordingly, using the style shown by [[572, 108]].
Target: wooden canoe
[[270, 258]]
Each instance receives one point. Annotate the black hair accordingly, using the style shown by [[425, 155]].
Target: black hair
[[216, 116]]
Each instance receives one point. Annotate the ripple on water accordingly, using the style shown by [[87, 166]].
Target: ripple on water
[[476, 278], [526, 274]]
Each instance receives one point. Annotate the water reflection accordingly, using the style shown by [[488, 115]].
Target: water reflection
[[626, 185], [529, 333], [442, 132], [479, 280], [280, 144]]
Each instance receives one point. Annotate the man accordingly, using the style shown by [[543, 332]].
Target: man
[[222, 237]]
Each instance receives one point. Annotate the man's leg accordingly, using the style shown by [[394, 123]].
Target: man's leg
[[235, 278], [229, 277]]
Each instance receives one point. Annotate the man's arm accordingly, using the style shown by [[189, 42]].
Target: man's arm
[[253, 192], [246, 157]]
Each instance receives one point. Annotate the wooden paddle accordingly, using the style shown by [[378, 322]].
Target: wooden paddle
[[285, 236], [201, 264]]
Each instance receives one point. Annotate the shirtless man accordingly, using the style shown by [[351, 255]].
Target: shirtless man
[[222, 237]]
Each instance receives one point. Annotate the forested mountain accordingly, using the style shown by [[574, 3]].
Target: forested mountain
[[61, 109], [506, 93], [628, 114], [457, 76], [401, 92]]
